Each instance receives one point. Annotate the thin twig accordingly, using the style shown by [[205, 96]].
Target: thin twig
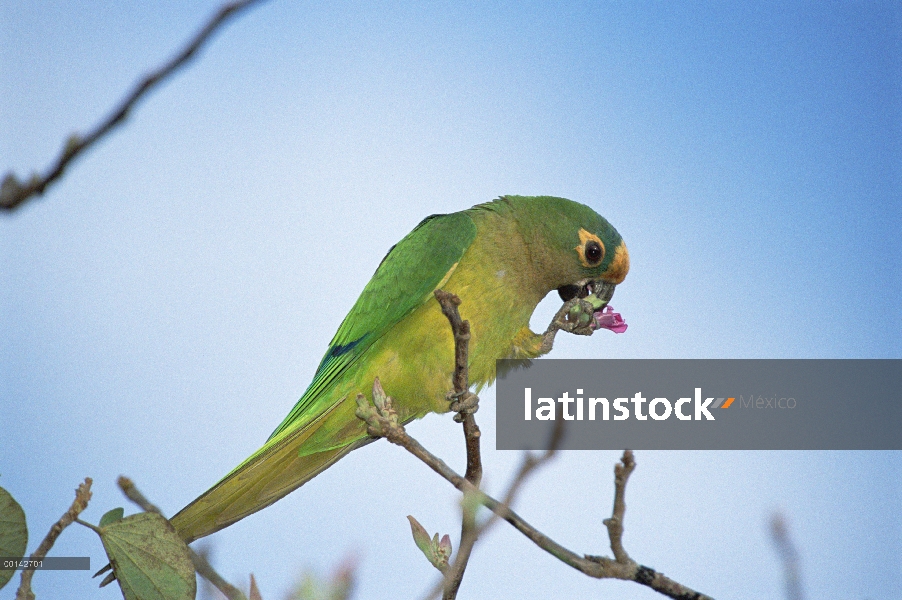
[[13, 193], [201, 565], [205, 588], [82, 497], [132, 493], [449, 303], [469, 534], [788, 555], [622, 471], [461, 380], [528, 466]]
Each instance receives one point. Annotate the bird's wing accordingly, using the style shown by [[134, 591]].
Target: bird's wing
[[404, 280]]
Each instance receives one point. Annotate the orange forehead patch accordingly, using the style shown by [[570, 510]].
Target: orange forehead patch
[[584, 238], [619, 267]]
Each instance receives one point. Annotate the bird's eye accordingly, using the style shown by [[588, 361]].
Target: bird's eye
[[590, 249], [593, 252]]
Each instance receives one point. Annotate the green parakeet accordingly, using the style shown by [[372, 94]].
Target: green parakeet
[[501, 258]]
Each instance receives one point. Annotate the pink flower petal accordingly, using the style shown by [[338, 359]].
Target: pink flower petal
[[608, 319]]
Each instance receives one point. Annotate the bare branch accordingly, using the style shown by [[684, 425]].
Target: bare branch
[[13, 192], [201, 565], [622, 471], [466, 403], [82, 497], [528, 466], [599, 567], [469, 534], [131, 492], [788, 555]]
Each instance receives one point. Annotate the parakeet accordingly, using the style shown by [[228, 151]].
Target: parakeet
[[501, 258]]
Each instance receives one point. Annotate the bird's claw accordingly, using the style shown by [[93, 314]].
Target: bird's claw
[[463, 403], [579, 319]]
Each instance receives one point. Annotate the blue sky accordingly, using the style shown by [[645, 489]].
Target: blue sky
[[163, 307]]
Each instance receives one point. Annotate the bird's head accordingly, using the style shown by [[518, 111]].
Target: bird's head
[[574, 250]]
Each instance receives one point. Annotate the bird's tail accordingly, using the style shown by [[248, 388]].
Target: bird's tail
[[262, 479]]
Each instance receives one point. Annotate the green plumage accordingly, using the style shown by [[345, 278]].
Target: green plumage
[[501, 258], [402, 282]]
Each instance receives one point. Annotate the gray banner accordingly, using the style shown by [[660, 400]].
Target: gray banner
[[701, 404]]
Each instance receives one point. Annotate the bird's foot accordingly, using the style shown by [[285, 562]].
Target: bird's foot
[[380, 417], [580, 317], [463, 403]]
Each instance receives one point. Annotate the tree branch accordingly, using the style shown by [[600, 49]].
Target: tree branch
[[788, 555], [622, 471], [13, 192], [201, 565], [528, 466], [381, 422], [469, 534], [82, 497], [466, 403]]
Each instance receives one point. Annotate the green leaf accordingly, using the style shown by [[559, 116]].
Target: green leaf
[[420, 536], [13, 532], [111, 516], [149, 559]]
